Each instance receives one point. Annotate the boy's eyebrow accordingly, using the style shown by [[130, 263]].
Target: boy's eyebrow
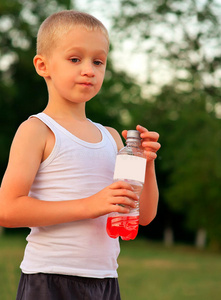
[[98, 51]]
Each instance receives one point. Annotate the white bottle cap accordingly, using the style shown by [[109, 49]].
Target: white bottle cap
[[133, 134]]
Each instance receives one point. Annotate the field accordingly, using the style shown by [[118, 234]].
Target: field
[[147, 271], [151, 271]]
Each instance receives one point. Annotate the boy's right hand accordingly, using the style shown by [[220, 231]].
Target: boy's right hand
[[106, 200]]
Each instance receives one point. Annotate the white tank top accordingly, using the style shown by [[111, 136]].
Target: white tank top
[[75, 169]]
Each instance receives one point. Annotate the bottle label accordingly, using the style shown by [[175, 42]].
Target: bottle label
[[130, 167]]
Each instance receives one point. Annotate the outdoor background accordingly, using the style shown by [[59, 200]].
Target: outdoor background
[[163, 72]]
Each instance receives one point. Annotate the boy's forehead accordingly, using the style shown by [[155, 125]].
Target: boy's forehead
[[78, 34], [66, 29], [81, 29]]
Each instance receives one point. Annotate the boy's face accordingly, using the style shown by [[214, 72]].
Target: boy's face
[[76, 66]]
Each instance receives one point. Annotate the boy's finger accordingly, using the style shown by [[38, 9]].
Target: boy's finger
[[122, 185], [124, 134], [141, 129], [150, 135], [154, 146]]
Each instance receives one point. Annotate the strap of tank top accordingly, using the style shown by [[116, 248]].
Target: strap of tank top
[[46, 120], [108, 134]]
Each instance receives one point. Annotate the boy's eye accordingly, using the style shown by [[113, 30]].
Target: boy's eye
[[74, 60], [97, 62]]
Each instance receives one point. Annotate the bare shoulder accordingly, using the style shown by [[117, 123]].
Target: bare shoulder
[[33, 131], [31, 136], [115, 134], [25, 156], [32, 126]]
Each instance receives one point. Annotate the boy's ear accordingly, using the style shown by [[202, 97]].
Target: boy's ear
[[41, 65]]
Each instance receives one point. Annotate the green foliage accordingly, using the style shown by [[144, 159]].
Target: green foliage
[[181, 37], [194, 160]]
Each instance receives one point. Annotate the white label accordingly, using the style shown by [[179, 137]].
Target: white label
[[130, 167]]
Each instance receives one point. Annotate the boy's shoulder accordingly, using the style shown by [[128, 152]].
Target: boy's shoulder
[[33, 126], [32, 131], [115, 134], [29, 142]]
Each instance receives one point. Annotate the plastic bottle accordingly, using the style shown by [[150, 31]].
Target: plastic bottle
[[130, 167]]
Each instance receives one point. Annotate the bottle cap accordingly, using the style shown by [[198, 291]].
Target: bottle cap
[[133, 134]]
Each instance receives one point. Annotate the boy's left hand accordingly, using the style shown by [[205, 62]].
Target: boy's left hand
[[149, 142]]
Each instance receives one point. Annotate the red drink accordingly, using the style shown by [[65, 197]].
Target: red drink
[[124, 226], [130, 167]]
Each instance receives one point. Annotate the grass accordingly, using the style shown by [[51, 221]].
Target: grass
[[146, 271], [151, 271], [11, 253]]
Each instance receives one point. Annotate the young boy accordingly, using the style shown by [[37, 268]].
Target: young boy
[[59, 177]]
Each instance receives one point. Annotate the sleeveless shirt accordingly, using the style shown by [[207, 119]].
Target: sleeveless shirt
[[75, 169]]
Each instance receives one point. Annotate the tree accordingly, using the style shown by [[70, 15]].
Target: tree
[[191, 159], [182, 45], [180, 39]]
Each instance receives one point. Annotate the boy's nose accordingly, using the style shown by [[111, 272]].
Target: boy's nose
[[88, 70]]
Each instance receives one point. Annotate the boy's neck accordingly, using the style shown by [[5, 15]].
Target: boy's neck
[[70, 111], [73, 119]]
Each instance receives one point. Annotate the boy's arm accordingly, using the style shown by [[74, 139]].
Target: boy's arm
[[149, 196], [17, 209]]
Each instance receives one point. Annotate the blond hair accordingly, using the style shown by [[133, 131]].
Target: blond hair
[[60, 23]]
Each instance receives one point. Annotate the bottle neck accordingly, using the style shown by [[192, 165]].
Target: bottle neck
[[133, 143]]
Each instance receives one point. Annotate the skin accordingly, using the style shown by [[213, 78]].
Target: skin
[[74, 73]]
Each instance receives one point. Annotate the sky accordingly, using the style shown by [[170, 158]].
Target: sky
[[101, 9]]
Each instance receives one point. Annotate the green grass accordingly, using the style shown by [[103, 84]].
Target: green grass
[[151, 271], [11, 253], [146, 271]]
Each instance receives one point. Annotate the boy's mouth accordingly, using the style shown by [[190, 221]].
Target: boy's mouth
[[86, 83]]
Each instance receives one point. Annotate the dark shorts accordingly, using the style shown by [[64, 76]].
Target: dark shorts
[[63, 287]]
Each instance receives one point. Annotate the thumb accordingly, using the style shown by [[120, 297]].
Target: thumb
[[124, 134]]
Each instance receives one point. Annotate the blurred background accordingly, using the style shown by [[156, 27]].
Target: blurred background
[[163, 72]]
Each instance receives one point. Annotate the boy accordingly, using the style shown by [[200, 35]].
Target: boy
[[59, 176]]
